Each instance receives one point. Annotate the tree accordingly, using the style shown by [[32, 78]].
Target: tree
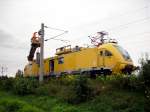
[[19, 73]]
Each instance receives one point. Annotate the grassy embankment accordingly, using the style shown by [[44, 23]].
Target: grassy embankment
[[72, 94]]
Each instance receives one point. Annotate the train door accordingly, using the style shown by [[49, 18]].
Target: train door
[[108, 59], [101, 58], [51, 63]]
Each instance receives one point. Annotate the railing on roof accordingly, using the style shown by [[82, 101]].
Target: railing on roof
[[63, 50]]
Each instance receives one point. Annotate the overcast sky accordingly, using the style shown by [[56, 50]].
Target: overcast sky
[[126, 20]]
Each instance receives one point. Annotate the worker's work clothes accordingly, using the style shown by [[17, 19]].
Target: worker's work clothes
[[32, 51]]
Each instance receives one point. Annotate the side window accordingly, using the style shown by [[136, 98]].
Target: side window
[[101, 53], [108, 53], [61, 60]]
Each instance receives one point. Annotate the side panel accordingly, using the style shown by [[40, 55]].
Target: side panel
[[68, 62], [31, 70], [35, 69], [109, 61], [27, 70], [46, 67], [84, 59]]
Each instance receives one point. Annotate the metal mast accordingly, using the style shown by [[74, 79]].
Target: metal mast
[[41, 33], [41, 53]]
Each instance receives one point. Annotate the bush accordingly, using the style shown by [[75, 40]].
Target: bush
[[147, 100], [6, 83], [146, 72], [125, 82], [61, 108], [42, 90], [24, 86], [9, 105], [145, 76], [80, 91]]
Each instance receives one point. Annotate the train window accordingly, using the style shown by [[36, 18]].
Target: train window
[[108, 53], [101, 53], [61, 60], [124, 53]]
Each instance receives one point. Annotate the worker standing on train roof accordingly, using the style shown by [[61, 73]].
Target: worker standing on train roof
[[35, 43], [35, 40]]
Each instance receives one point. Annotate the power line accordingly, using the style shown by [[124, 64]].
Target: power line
[[55, 29], [130, 12], [55, 36], [123, 25], [139, 34], [64, 31], [121, 15], [129, 23], [60, 40], [139, 40]]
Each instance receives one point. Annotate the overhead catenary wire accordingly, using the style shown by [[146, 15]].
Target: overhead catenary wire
[[136, 21], [114, 28], [55, 36], [55, 29], [138, 34], [132, 22], [125, 25], [111, 29], [126, 14], [64, 31], [61, 40], [129, 23]]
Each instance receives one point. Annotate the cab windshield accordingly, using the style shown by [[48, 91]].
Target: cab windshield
[[123, 52]]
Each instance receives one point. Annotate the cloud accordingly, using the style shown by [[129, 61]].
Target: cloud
[[9, 41], [5, 39], [13, 52]]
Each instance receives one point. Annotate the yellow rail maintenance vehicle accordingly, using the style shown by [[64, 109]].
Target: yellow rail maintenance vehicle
[[106, 57]]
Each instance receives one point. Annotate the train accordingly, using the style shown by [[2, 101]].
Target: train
[[104, 58]]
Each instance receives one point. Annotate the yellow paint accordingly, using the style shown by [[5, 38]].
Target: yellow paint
[[46, 66], [31, 69], [86, 58]]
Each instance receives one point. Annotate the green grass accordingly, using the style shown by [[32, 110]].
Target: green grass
[[112, 101], [117, 101], [72, 94]]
